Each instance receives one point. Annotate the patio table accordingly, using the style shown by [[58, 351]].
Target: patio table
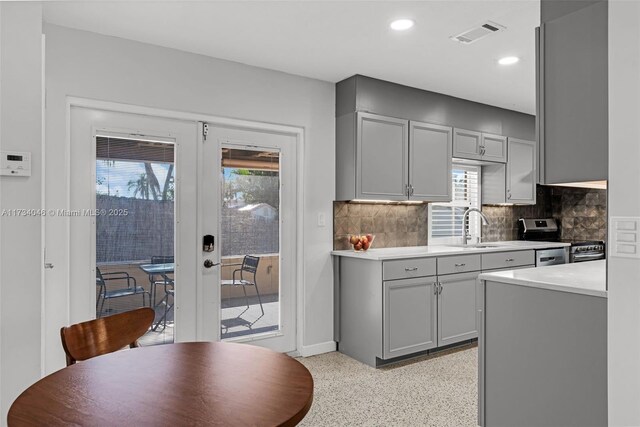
[[202, 383], [162, 270]]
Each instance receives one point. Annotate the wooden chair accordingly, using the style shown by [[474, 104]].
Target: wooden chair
[[85, 340]]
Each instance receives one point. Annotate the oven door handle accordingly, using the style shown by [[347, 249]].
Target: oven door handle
[[588, 257]]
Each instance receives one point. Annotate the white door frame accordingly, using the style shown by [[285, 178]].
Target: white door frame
[[284, 339], [298, 132]]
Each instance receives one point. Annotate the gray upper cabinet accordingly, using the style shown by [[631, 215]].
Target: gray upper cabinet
[[467, 144], [472, 145], [382, 157], [514, 182], [494, 148], [409, 316], [457, 308], [572, 84], [521, 172], [430, 162], [386, 158]]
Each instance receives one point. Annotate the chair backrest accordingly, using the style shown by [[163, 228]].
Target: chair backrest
[[99, 278], [162, 259], [85, 340], [250, 263]]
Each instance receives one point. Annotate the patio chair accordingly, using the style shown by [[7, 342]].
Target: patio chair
[[163, 280], [104, 294], [246, 272], [85, 340]]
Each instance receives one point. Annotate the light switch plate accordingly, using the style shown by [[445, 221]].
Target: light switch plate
[[321, 220], [624, 239]]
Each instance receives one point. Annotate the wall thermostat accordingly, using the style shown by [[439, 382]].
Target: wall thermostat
[[15, 163]]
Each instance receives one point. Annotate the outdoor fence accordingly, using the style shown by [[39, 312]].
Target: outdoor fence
[[148, 230]]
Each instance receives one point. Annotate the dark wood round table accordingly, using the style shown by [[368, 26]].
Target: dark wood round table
[[172, 385]]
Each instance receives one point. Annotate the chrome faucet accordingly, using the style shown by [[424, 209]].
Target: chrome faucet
[[465, 226]]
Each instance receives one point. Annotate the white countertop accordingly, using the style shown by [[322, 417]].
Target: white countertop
[[382, 254], [587, 278]]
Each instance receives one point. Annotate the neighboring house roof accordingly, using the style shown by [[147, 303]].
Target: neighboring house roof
[[255, 206]]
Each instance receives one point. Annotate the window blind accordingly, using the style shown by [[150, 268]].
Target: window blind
[[445, 219]]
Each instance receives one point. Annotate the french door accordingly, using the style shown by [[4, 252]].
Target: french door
[[128, 221], [248, 205]]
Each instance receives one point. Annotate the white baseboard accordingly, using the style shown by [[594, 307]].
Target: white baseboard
[[312, 350]]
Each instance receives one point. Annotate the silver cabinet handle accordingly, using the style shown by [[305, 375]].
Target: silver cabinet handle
[[509, 260], [48, 265], [435, 288], [411, 269], [439, 288], [459, 265], [410, 189]]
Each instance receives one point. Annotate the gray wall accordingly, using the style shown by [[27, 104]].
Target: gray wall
[[20, 253], [361, 93], [165, 78]]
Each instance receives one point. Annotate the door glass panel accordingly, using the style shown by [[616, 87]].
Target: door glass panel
[[135, 230], [250, 242]]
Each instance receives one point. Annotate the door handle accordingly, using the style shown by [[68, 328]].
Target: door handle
[[208, 263], [459, 265], [48, 265], [411, 269]]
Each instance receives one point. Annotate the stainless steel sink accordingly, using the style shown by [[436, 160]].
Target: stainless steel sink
[[481, 246]]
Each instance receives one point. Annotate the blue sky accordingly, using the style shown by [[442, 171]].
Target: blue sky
[[116, 175]]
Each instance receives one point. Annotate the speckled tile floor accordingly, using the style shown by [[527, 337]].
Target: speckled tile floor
[[437, 390]]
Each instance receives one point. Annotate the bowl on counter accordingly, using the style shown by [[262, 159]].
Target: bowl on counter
[[361, 242]]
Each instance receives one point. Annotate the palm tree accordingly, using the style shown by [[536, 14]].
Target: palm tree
[[148, 187]]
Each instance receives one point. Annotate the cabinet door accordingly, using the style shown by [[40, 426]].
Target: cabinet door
[[466, 144], [575, 84], [382, 157], [494, 148], [409, 316], [521, 172], [430, 162], [457, 308]]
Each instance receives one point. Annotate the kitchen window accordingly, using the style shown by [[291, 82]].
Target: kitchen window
[[445, 219]]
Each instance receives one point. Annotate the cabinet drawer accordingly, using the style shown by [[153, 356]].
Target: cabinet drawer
[[508, 259], [458, 264], [408, 268]]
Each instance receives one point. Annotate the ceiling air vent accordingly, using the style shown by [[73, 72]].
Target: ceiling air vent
[[477, 33]]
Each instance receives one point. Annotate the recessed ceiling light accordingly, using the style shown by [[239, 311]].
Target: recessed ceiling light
[[401, 24], [508, 60]]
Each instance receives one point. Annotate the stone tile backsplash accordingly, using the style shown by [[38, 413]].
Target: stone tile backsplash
[[394, 225], [582, 215]]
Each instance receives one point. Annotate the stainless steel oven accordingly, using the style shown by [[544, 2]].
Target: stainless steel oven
[[587, 251]]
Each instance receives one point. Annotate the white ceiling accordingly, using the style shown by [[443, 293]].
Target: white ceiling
[[332, 40]]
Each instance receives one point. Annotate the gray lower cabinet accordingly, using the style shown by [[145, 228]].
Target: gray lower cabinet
[[542, 357], [457, 308], [409, 316], [394, 308]]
